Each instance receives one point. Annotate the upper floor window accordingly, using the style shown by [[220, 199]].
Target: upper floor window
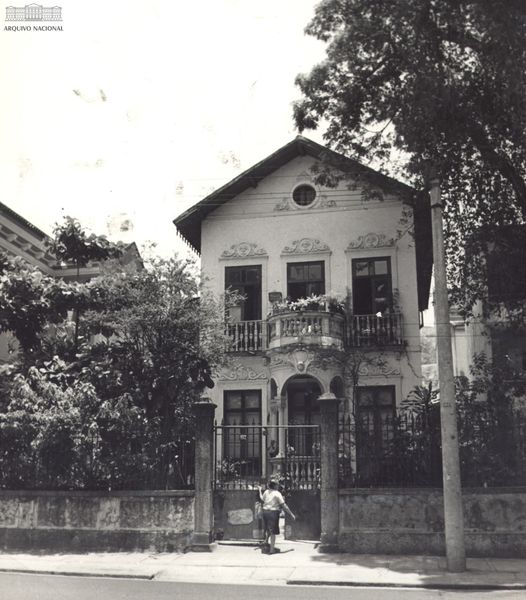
[[247, 281], [371, 285], [305, 279]]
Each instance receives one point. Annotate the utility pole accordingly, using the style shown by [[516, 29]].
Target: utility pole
[[453, 516]]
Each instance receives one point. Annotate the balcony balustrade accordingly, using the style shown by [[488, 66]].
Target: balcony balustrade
[[246, 336], [320, 328], [309, 327], [368, 331]]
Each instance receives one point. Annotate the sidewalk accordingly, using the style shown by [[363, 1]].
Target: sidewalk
[[298, 564]]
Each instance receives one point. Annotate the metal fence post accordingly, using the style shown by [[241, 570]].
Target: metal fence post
[[203, 507], [329, 473]]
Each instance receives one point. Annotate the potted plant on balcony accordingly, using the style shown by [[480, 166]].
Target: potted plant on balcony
[[335, 306], [313, 302]]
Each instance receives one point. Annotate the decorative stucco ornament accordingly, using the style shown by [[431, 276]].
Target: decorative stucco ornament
[[306, 246], [283, 204], [371, 240], [378, 369], [327, 202], [243, 250], [241, 372]]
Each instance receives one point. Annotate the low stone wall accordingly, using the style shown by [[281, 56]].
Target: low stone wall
[[96, 521], [411, 521]]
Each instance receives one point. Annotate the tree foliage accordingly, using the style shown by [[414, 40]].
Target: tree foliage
[[155, 335], [30, 300], [440, 82], [110, 407], [72, 244]]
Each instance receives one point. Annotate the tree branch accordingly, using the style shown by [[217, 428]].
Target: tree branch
[[502, 163]]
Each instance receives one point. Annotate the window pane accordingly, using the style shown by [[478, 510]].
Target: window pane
[[233, 400], [315, 272], [365, 397], [384, 396], [253, 275], [296, 272], [361, 268], [297, 290], [231, 418], [232, 275], [381, 267], [252, 400]]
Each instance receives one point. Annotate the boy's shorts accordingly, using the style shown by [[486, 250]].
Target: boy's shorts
[[271, 521]]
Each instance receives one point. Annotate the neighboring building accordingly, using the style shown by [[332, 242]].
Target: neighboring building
[[498, 327], [273, 234], [461, 345], [20, 238]]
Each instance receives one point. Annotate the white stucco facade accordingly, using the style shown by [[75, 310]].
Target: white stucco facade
[[262, 226]]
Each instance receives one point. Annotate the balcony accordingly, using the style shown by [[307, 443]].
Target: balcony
[[246, 336], [370, 331], [315, 327], [319, 328]]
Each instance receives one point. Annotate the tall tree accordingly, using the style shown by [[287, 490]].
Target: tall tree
[[155, 335], [71, 244], [437, 81]]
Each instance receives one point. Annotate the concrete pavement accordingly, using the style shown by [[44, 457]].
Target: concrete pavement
[[299, 563]]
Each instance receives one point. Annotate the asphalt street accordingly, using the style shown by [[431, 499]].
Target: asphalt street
[[15, 586]]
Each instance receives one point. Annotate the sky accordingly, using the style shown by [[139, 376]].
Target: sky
[[140, 108]]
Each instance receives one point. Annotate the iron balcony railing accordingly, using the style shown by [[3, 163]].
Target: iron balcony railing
[[375, 330]]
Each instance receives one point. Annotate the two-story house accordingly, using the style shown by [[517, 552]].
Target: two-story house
[[333, 279]]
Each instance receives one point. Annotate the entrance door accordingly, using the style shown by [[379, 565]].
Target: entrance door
[[302, 459]]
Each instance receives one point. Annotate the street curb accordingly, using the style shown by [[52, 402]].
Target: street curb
[[79, 573], [426, 586]]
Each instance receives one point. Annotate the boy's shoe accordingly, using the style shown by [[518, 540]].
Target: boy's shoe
[[275, 551]]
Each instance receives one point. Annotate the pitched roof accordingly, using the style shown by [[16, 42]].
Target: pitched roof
[[188, 223], [23, 223]]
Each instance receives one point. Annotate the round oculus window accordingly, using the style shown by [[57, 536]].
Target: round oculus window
[[304, 195]]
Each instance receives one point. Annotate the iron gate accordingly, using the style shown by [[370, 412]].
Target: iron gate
[[246, 456]]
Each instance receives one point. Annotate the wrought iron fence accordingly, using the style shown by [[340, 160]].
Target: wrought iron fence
[[388, 450], [247, 455], [404, 450], [96, 466]]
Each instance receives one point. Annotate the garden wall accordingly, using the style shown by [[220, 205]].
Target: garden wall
[[411, 521], [96, 521]]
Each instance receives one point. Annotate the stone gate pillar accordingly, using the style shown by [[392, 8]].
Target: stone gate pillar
[[329, 473], [204, 471]]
